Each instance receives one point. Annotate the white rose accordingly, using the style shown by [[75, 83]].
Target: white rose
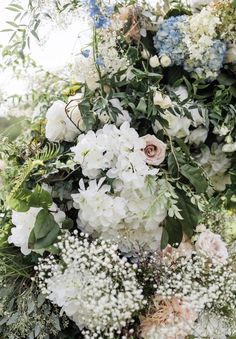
[[230, 57], [228, 148], [211, 245], [59, 126], [198, 136], [165, 61], [154, 61], [178, 125], [161, 100]]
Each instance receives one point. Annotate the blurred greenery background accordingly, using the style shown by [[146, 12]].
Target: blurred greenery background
[[11, 127]]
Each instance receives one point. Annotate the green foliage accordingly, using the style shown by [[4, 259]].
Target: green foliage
[[196, 177], [49, 152], [45, 231]]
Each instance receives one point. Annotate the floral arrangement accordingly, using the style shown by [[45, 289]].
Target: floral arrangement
[[118, 199]]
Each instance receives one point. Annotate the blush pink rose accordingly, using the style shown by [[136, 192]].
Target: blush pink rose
[[155, 150], [211, 245]]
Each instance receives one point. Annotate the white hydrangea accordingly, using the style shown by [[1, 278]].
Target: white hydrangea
[[94, 286], [200, 32], [24, 222], [85, 71], [118, 151], [59, 126], [112, 61], [98, 209], [131, 216]]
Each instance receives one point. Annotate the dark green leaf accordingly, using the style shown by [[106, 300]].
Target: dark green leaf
[[189, 212], [67, 224], [195, 175], [174, 230], [164, 239]]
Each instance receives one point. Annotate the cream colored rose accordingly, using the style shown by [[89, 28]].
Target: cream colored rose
[[154, 61], [161, 100], [165, 61], [211, 245], [154, 150]]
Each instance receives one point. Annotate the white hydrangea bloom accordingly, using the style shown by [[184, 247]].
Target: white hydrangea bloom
[[59, 127], [119, 151], [98, 209], [132, 217], [24, 222]]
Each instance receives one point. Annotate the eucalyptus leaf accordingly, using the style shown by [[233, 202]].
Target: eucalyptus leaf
[[45, 231]]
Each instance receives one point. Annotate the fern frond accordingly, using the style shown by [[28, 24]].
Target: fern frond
[[49, 152]]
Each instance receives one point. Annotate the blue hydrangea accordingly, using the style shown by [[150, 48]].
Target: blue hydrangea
[[210, 64], [169, 39]]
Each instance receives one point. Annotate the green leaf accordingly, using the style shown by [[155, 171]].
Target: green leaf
[[45, 231], [12, 23], [43, 224], [35, 34], [40, 198], [18, 205], [67, 224], [189, 212], [174, 230], [195, 176], [142, 106], [164, 239], [132, 54], [19, 202], [226, 79]]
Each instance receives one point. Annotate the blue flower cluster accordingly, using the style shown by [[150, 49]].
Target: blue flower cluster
[[101, 20], [169, 39], [210, 64]]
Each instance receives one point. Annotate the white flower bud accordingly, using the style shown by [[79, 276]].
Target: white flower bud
[[161, 100], [145, 54], [154, 61], [230, 57], [165, 61]]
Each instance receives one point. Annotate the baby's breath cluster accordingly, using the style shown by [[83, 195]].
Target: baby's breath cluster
[[203, 282], [93, 285], [187, 288]]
